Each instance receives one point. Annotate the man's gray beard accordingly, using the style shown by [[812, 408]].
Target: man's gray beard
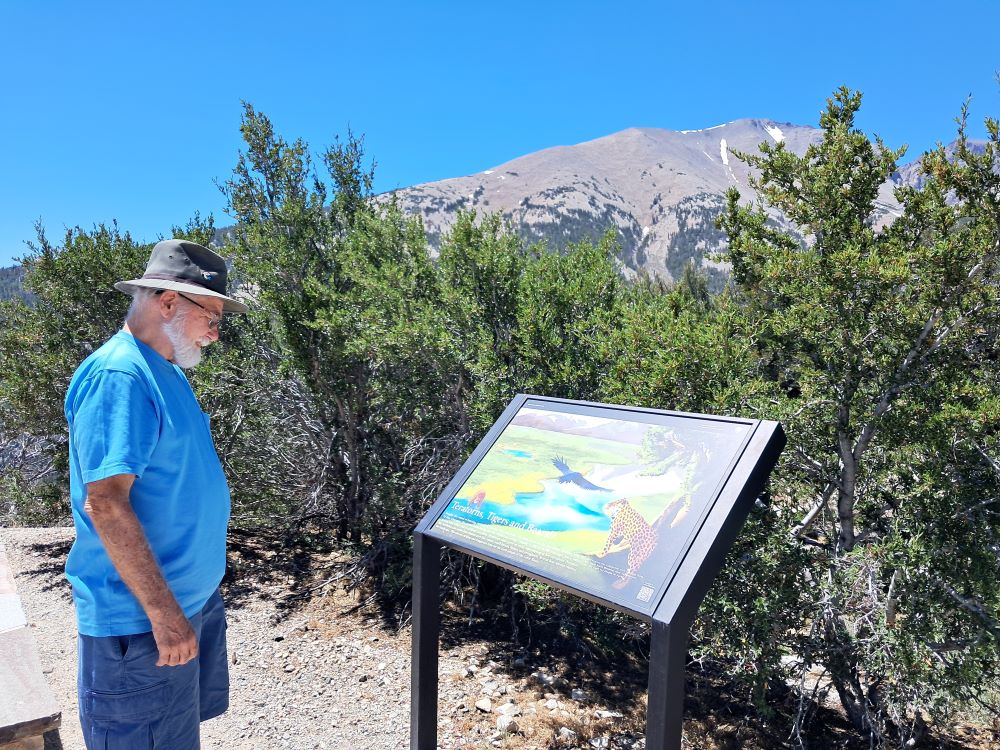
[[187, 353]]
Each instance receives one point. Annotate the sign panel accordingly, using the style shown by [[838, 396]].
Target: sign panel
[[601, 500]]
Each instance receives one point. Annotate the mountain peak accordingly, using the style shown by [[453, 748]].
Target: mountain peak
[[659, 190]]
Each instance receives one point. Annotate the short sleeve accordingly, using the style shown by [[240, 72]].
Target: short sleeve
[[114, 427]]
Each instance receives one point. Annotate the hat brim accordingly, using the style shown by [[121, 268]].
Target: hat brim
[[229, 305]]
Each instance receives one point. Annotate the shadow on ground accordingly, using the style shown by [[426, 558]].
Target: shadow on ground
[[718, 711], [276, 568], [266, 566], [50, 566]]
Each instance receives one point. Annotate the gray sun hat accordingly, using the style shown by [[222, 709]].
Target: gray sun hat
[[182, 266]]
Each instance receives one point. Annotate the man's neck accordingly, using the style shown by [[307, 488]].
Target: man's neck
[[152, 336]]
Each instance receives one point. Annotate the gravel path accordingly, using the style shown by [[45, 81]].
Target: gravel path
[[320, 678], [306, 682]]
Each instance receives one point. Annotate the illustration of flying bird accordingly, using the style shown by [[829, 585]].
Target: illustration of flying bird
[[575, 477]]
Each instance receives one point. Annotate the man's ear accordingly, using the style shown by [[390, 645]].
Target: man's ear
[[168, 304]]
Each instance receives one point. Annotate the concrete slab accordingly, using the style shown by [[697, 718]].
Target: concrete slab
[[29, 743], [6, 577], [27, 708], [11, 613]]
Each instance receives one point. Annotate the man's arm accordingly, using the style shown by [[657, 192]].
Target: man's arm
[[110, 510]]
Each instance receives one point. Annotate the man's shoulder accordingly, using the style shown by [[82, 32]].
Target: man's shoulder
[[119, 354]]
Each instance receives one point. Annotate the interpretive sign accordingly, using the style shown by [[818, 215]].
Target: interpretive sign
[[629, 507], [598, 500]]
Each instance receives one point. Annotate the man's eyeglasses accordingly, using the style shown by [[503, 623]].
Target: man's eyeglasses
[[213, 318]]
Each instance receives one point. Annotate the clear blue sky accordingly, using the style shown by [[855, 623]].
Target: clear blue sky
[[130, 110]]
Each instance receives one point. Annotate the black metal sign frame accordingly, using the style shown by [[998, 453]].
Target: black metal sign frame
[[670, 612]]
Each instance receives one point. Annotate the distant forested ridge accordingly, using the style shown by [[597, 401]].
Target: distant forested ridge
[[11, 284]]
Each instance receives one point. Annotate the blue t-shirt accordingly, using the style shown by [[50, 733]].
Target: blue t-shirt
[[130, 411]]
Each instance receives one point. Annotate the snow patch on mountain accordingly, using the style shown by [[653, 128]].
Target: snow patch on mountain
[[704, 130], [775, 132]]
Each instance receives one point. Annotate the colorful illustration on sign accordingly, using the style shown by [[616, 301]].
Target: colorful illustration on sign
[[602, 504]]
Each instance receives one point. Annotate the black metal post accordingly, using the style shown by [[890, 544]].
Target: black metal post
[[665, 705], [425, 631]]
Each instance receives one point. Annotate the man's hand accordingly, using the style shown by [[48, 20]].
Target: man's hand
[[111, 512], [175, 640]]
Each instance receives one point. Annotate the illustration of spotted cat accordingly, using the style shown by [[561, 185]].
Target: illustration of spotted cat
[[630, 530]]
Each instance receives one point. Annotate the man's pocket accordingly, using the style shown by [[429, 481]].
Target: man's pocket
[[126, 720]]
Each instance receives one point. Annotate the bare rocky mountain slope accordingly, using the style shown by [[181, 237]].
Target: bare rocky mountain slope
[[660, 189]]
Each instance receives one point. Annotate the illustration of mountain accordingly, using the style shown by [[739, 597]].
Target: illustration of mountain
[[569, 424], [547, 420]]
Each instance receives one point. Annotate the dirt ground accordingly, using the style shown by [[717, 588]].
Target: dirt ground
[[314, 667]]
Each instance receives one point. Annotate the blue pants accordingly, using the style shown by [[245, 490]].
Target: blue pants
[[128, 703]]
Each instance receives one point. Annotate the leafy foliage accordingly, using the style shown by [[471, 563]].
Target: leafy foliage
[[887, 338], [354, 297], [75, 311]]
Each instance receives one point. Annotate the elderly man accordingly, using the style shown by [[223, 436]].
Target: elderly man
[[150, 506]]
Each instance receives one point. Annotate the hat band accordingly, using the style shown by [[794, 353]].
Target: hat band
[[169, 277]]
